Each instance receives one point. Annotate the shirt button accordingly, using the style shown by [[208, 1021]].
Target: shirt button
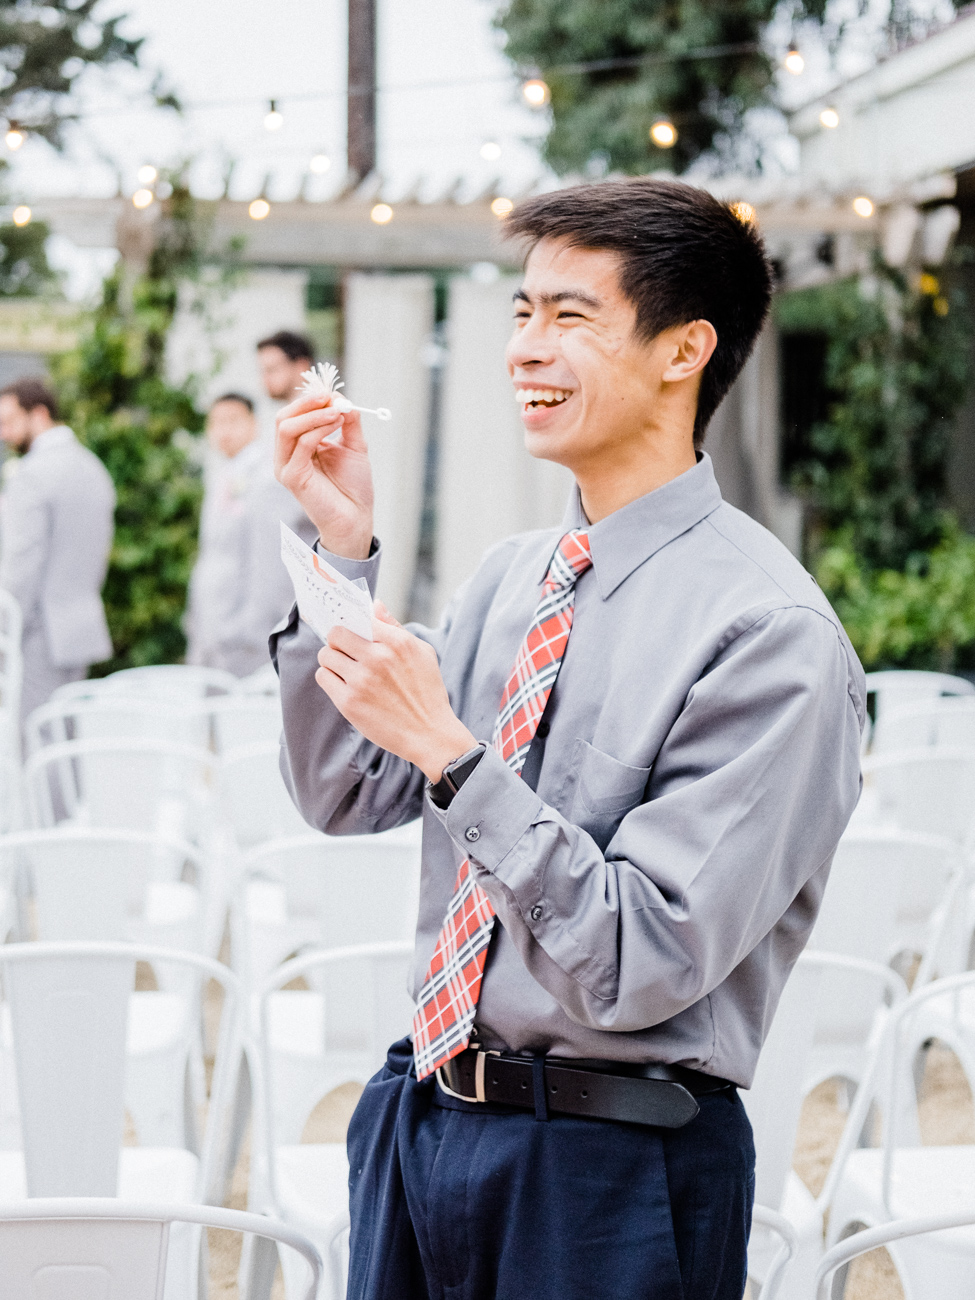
[[543, 730], [472, 834], [536, 912]]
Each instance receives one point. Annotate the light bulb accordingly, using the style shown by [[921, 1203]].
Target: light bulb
[[663, 133], [274, 120], [147, 174], [501, 207], [320, 164], [381, 214], [829, 118], [142, 198], [14, 138], [794, 62], [744, 212], [536, 93], [862, 206], [22, 215], [258, 209], [490, 151]]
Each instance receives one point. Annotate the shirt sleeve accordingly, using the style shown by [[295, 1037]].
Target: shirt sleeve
[[341, 783], [745, 800], [24, 543]]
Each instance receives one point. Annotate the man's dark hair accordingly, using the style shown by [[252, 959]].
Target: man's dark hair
[[294, 346], [32, 393], [233, 397], [684, 256]]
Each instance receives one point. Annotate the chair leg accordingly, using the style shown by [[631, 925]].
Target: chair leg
[[258, 1264]]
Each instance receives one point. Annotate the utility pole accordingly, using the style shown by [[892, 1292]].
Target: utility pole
[[361, 128]]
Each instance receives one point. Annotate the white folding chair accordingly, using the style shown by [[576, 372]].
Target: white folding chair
[[239, 720], [901, 1179], [935, 723], [328, 890], [87, 1247], [109, 715], [907, 686], [69, 1010], [929, 791], [306, 1184], [254, 797], [174, 681], [774, 1102], [262, 682], [892, 896], [768, 1223], [832, 1287], [147, 785]]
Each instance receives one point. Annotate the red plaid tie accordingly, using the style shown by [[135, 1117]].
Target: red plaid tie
[[448, 998]]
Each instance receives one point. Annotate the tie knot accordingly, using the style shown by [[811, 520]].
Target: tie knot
[[570, 561]]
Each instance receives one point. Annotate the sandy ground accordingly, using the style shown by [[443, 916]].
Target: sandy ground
[[947, 1117]]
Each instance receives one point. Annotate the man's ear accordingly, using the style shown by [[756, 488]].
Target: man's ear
[[693, 347]]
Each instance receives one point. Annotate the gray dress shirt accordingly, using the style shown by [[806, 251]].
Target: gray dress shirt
[[659, 866]]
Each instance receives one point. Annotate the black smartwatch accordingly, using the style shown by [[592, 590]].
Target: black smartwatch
[[454, 775]]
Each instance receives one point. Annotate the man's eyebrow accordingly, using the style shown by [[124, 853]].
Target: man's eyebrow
[[566, 295]]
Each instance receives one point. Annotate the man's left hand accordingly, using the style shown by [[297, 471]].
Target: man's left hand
[[391, 690]]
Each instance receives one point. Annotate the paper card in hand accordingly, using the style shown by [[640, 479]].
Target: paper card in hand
[[325, 597]]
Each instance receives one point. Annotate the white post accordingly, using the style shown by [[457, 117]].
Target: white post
[[488, 486], [388, 320]]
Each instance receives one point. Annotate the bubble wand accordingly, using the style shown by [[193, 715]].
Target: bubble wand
[[323, 381]]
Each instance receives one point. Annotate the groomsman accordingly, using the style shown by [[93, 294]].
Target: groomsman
[[283, 358], [240, 588], [56, 528]]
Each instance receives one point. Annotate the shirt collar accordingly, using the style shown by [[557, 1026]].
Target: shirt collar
[[59, 435], [625, 539]]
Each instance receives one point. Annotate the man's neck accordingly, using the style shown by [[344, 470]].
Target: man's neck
[[605, 488]]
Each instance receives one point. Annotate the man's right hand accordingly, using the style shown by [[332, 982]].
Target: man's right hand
[[331, 480]]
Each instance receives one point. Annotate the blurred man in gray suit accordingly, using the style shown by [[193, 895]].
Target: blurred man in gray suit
[[240, 588], [56, 527]]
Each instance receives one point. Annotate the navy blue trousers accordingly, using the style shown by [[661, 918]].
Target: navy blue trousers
[[460, 1201]]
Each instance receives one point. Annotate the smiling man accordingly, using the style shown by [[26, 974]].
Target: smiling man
[[634, 742]]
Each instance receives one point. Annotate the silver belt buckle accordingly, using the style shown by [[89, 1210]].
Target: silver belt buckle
[[479, 1067]]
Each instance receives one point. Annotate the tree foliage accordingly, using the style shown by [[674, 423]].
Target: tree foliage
[[120, 404], [883, 541], [24, 268], [700, 63], [44, 46]]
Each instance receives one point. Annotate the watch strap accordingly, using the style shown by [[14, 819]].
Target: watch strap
[[454, 775]]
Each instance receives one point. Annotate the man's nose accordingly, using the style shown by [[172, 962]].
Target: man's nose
[[533, 343]]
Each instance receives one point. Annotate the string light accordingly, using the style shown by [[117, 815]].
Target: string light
[[744, 212], [274, 120], [862, 206], [794, 62], [490, 151], [501, 207], [22, 215], [829, 118], [381, 214], [320, 164], [536, 93], [147, 174], [258, 209], [663, 133], [142, 198], [14, 138]]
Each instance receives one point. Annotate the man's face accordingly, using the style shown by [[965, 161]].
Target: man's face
[[279, 374], [230, 427], [15, 423], [575, 350]]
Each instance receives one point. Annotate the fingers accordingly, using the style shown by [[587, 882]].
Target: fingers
[[344, 641], [334, 688], [352, 436], [383, 614]]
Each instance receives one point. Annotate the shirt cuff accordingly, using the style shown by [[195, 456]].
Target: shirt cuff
[[352, 569], [489, 814]]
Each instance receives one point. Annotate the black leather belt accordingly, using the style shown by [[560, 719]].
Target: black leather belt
[[662, 1096]]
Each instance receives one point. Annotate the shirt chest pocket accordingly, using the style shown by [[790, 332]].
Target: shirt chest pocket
[[600, 790]]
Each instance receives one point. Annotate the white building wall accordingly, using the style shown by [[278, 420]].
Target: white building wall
[[388, 323], [488, 486]]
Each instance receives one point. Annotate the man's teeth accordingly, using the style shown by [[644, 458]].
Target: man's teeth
[[529, 396]]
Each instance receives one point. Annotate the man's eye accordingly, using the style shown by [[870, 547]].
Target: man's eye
[[564, 314]]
